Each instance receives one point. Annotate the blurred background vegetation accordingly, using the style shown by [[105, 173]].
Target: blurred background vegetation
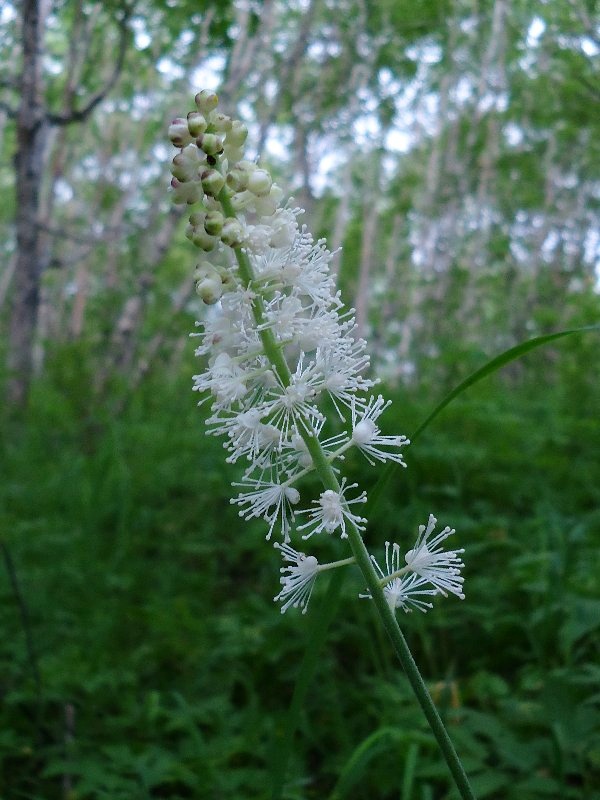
[[453, 150]]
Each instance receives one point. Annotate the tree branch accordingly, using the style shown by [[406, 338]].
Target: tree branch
[[79, 115]]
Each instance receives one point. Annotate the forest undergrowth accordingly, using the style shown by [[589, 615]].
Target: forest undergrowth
[[143, 656]]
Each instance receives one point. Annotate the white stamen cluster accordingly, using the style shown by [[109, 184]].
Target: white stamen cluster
[[267, 415], [425, 570]]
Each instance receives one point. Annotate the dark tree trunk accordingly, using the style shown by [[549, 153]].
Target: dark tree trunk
[[29, 160]]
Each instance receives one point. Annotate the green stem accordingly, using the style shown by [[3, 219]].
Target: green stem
[[344, 562], [363, 560]]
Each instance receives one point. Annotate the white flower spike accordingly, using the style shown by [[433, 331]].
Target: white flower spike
[[276, 342]]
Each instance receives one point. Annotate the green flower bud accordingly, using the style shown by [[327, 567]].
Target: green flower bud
[[186, 192], [266, 206], [232, 233], [232, 154], [187, 163], [203, 240], [210, 143], [237, 179], [237, 134], [259, 182], [206, 101], [221, 122], [197, 218], [212, 182], [179, 133], [210, 290], [198, 235], [208, 282], [213, 224], [204, 269], [227, 278], [196, 123], [242, 200], [183, 169]]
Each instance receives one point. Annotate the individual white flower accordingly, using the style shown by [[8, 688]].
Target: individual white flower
[[441, 568], [248, 435], [341, 368], [367, 436], [297, 581], [312, 329], [282, 313], [283, 227], [332, 512], [225, 379], [403, 591], [306, 268], [269, 500], [298, 450], [406, 593], [288, 406], [256, 237]]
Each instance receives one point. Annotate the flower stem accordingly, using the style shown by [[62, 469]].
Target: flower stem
[[344, 562], [328, 478]]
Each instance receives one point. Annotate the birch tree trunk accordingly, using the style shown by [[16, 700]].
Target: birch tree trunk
[[32, 128]]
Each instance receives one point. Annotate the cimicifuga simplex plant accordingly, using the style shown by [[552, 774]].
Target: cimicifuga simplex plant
[[277, 342]]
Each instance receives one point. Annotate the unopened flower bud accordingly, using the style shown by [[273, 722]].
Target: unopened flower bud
[[212, 182], [197, 218], [242, 200], [186, 192], [266, 206], [206, 101], [237, 179], [210, 143], [210, 290], [186, 164], [213, 224], [232, 154], [237, 134], [208, 282], [246, 166], [197, 233], [196, 123], [204, 269], [183, 170], [221, 122], [259, 182], [204, 240], [227, 278], [232, 233], [179, 133]]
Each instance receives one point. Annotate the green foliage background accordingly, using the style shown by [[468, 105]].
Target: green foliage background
[[147, 659]]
